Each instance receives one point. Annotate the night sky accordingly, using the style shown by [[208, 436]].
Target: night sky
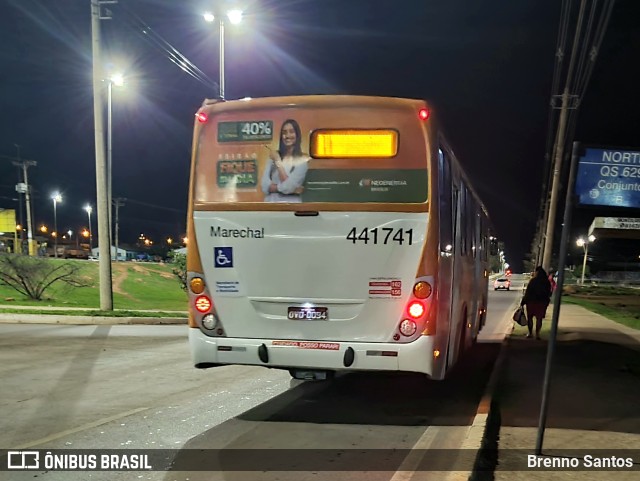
[[486, 66]]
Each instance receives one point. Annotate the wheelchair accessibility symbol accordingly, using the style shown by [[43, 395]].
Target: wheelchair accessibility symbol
[[223, 256]]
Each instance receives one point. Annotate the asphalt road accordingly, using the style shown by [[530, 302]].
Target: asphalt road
[[134, 387]]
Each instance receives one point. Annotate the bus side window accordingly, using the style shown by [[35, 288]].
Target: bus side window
[[475, 227], [446, 200], [483, 239], [464, 230]]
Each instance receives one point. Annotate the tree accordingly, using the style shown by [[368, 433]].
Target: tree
[[578, 271], [32, 276], [179, 268]]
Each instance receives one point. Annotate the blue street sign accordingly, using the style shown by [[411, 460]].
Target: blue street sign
[[609, 177]]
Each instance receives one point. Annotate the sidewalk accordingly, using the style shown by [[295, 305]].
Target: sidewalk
[[594, 399]]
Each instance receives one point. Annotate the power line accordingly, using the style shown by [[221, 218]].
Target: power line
[[561, 42], [154, 206], [171, 53], [579, 69]]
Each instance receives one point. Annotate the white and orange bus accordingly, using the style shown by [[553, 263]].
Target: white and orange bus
[[331, 233]]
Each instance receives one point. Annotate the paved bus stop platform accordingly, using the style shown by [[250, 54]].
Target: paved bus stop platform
[[594, 401]]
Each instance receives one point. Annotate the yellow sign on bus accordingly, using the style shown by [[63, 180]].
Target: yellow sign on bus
[[354, 144]]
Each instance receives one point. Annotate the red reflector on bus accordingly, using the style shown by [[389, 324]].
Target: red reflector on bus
[[203, 303], [423, 114], [202, 117]]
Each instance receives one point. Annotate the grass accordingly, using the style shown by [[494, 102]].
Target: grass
[[620, 304], [95, 313], [146, 286], [136, 286], [616, 310]]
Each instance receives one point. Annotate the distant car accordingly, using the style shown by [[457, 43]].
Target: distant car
[[501, 283]]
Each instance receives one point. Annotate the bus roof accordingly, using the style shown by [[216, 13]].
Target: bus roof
[[313, 101]]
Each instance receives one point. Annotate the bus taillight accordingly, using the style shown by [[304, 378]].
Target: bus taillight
[[423, 114], [416, 309], [202, 117], [203, 304]]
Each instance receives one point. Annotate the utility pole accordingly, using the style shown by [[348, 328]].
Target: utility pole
[[20, 190], [25, 164], [102, 207], [117, 203], [559, 146]]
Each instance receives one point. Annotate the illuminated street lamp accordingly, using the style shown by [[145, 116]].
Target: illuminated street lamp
[[56, 197], [89, 209], [584, 243], [235, 17]]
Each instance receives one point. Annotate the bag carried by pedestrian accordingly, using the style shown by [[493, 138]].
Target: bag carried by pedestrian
[[520, 317]]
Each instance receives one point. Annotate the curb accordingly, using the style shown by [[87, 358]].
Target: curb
[[476, 437], [479, 431], [87, 320]]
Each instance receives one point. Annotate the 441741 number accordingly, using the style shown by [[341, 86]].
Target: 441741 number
[[381, 235]]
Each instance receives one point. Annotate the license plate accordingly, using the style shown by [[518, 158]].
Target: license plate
[[308, 313]]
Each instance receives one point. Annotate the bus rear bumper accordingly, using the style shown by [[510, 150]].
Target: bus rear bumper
[[417, 356]]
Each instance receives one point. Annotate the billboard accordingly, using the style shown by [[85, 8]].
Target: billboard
[[7, 221], [609, 177]]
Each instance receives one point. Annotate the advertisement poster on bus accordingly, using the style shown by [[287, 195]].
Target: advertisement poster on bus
[[307, 155]]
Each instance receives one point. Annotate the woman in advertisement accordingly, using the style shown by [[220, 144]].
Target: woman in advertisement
[[286, 169]]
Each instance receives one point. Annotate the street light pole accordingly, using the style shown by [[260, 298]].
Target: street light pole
[[584, 261], [56, 198], [30, 242], [88, 208], [24, 188], [221, 24], [235, 17], [585, 247], [118, 81], [109, 144], [102, 208]]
